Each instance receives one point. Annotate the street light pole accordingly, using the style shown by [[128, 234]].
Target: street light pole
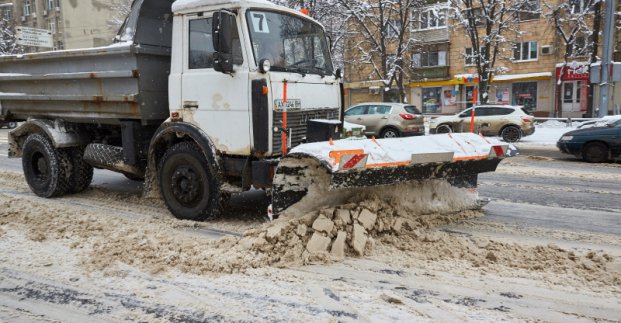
[[604, 89]]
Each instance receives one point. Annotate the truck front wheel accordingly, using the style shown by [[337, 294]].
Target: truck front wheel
[[47, 170], [189, 183]]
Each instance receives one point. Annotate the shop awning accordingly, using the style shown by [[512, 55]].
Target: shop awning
[[456, 80], [474, 79], [522, 77], [360, 85]]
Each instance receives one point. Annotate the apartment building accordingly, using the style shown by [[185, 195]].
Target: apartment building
[[72, 23], [443, 76]]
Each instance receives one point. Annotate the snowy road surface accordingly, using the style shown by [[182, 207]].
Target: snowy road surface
[[547, 248]]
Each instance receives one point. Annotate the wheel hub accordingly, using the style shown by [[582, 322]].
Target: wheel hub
[[41, 166], [185, 185]]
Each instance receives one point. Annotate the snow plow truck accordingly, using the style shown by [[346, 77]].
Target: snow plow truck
[[205, 98]]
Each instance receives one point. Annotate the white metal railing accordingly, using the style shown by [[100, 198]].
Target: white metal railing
[[567, 121]]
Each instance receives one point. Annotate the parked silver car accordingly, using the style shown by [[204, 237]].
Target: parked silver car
[[387, 120]]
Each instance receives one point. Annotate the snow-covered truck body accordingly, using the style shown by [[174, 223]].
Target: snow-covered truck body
[[203, 98]]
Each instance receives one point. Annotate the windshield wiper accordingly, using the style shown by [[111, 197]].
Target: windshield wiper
[[297, 70], [318, 70]]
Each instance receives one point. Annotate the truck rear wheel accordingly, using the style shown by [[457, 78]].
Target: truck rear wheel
[[82, 173], [47, 170], [189, 183]]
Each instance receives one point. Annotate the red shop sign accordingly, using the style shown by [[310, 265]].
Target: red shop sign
[[580, 73]]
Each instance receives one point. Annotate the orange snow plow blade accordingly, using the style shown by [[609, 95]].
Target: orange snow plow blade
[[311, 174]]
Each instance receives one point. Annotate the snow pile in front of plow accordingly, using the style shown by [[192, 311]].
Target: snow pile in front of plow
[[350, 228]]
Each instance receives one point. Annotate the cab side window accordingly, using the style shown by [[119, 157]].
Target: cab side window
[[201, 45]]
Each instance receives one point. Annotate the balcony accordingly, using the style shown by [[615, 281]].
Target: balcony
[[430, 73]]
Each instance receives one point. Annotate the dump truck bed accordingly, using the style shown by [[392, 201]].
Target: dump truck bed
[[98, 85], [127, 80]]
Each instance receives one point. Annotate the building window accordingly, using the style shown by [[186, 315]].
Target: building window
[[478, 15], [428, 59], [582, 46], [431, 18], [60, 45], [8, 14], [526, 51], [469, 96], [431, 99], [529, 10], [576, 6], [525, 94], [53, 28], [471, 57], [393, 28], [27, 8]]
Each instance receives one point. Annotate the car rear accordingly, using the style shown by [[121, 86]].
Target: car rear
[[409, 120], [527, 121]]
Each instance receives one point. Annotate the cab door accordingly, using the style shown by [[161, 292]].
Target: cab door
[[219, 103]]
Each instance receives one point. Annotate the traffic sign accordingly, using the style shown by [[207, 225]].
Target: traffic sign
[[34, 37]]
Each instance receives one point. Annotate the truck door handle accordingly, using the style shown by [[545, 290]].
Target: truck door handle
[[384, 117], [190, 105]]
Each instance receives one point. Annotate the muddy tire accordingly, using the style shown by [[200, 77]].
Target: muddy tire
[[511, 134], [47, 170], [189, 183], [82, 174], [390, 133], [444, 128], [595, 152]]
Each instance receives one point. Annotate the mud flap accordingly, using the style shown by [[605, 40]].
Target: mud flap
[[298, 174]]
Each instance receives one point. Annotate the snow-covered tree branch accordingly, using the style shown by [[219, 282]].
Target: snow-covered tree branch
[[8, 43], [488, 24]]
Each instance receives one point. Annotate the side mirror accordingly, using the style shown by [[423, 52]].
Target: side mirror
[[222, 28]]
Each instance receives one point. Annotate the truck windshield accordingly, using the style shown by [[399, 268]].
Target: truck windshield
[[292, 44]]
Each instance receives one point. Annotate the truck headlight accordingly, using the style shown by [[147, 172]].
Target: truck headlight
[[567, 138]]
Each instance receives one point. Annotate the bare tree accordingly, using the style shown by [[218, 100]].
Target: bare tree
[[378, 35], [488, 24], [8, 41], [121, 9], [573, 21]]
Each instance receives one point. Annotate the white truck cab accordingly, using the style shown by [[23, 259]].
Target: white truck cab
[[235, 90]]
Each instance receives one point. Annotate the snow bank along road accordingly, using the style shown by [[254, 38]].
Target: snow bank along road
[[547, 247]]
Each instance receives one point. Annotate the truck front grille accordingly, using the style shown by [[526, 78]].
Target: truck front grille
[[296, 121]]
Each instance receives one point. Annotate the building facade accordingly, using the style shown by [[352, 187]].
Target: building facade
[[443, 77], [72, 23]]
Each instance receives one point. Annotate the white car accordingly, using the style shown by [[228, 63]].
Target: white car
[[507, 121]]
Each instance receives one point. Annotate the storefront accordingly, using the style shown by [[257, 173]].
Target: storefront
[[532, 91], [524, 94], [574, 89], [442, 97]]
